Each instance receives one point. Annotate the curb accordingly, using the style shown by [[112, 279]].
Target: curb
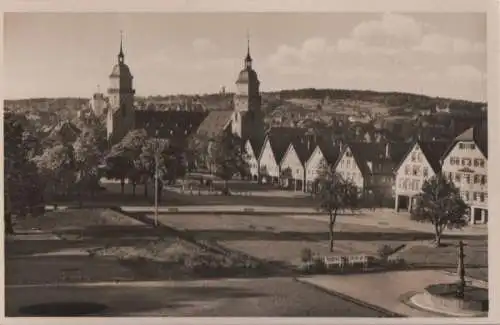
[[358, 302]]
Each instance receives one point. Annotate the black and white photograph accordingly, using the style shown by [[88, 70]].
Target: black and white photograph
[[246, 164]]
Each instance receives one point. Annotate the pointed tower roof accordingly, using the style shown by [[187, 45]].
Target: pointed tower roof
[[121, 56], [248, 58], [121, 69]]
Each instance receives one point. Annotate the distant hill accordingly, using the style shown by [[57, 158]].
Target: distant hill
[[292, 104]]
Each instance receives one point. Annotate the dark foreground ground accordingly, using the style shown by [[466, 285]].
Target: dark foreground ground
[[248, 297], [41, 268]]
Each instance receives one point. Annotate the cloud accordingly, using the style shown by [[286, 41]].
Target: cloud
[[204, 45], [299, 60], [391, 30], [465, 73], [442, 44], [395, 33]]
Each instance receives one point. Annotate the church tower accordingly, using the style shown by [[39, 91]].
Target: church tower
[[121, 113], [247, 119]]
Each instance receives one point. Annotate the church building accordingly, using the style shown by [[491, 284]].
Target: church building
[[243, 115]]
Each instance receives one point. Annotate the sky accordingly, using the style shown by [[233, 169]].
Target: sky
[[72, 54]]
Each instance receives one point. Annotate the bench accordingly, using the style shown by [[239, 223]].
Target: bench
[[394, 260], [334, 262], [359, 261]]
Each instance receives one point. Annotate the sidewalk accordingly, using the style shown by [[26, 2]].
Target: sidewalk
[[395, 287]]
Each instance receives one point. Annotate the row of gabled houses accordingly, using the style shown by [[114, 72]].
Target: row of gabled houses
[[385, 173]]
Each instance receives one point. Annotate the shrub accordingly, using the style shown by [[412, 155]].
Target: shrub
[[306, 255], [385, 251], [318, 265]]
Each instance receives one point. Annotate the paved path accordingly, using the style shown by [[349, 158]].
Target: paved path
[[235, 298], [385, 290], [381, 218]]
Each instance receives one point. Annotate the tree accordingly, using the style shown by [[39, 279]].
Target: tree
[[196, 153], [441, 205], [119, 166], [335, 195], [88, 156], [58, 166], [23, 187], [137, 148], [229, 157]]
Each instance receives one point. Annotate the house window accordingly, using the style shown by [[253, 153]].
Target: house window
[[481, 162], [416, 170], [483, 179], [348, 163], [473, 146], [457, 177], [461, 146], [467, 196], [426, 171], [467, 178], [407, 170], [477, 179], [474, 196], [348, 154], [481, 197], [476, 162], [413, 157]]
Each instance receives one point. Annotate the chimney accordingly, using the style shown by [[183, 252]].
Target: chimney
[[388, 150]]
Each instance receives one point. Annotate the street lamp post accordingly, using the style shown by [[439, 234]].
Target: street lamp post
[[156, 178], [461, 270]]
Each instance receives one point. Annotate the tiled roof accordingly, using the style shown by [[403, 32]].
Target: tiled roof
[[330, 151], [433, 151], [304, 147], [478, 134], [168, 124], [286, 131], [375, 153], [279, 145], [214, 123], [256, 145]]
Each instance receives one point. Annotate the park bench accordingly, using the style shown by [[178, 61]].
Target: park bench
[[394, 260], [358, 261], [337, 262]]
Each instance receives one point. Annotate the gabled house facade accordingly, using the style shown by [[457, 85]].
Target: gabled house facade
[[293, 163], [466, 164], [292, 169], [370, 166], [347, 166], [421, 162], [324, 154], [269, 168], [252, 151]]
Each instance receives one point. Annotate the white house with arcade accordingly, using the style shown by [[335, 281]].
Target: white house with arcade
[[466, 164], [420, 163]]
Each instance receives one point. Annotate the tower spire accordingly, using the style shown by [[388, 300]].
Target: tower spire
[[248, 59], [121, 55]]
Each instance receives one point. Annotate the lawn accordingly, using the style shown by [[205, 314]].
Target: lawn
[[172, 198], [90, 238], [281, 239]]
